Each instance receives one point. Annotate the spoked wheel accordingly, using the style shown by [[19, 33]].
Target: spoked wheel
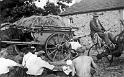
[[93, 51], [55, 46], [99, 53]]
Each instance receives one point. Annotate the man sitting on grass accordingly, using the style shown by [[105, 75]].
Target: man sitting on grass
[[36, 65], [83, 66], [6, 65]]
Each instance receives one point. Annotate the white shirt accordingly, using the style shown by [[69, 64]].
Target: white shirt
[[75, 45], [68, 68], [82, 66], [35, 64], [4, 64]]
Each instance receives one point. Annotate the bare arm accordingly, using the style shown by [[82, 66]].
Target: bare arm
[[20, 65], [46, 65], [58, 63], [73, 69], [93, 64]]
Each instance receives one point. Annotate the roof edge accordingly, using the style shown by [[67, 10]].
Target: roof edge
[[117, 8]]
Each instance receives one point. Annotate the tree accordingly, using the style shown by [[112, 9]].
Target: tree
[[50, 8], [12, 10]]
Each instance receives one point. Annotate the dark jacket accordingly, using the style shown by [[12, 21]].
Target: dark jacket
[[95, 28]]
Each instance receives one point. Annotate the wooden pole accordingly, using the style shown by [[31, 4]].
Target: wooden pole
[[20, 43]]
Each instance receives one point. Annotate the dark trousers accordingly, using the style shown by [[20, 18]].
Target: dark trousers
[[107, 38], [15, 72]]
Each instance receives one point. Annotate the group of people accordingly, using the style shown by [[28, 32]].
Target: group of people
[[33, 64]]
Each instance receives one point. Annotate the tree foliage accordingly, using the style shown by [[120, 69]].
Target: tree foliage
[[50, 8], [12, 10]]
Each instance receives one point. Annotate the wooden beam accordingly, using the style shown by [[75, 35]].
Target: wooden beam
[[20, 43]]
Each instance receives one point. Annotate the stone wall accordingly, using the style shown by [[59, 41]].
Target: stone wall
[[109, 19]]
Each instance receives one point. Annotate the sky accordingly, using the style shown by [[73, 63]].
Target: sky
[[42, 3], [73, 2]]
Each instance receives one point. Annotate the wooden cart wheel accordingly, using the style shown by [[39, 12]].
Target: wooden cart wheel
[[55, 46]]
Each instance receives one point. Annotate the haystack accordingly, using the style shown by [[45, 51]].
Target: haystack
[[34, 21]]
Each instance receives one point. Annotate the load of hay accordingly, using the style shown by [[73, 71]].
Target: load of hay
[[33, 21]]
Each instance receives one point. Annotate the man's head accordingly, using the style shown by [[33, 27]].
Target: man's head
[[28, 49], [80, 50], [95, 15], [40, 53]]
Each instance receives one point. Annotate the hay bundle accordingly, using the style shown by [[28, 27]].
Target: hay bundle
[[34, 21]]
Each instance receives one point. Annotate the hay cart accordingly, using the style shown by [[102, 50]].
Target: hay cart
[[52, 39]]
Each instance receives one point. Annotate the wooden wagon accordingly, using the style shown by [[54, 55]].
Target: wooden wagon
[[52, 39]]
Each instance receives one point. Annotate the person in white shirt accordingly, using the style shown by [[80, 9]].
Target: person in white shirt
[[6, 65], [35, 64], [74, 45], [83, 66]]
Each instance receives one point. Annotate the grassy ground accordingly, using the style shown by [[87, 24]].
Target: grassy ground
[[114, 70]]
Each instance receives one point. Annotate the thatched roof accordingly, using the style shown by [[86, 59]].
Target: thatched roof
[[86, 6], [33, 21]]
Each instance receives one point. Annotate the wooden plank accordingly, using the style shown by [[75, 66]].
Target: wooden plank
[[50, 28], [20, 43]]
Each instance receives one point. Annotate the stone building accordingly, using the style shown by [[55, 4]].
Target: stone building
[[80, 14]]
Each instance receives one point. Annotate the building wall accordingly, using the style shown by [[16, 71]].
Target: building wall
[[109, 19]]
